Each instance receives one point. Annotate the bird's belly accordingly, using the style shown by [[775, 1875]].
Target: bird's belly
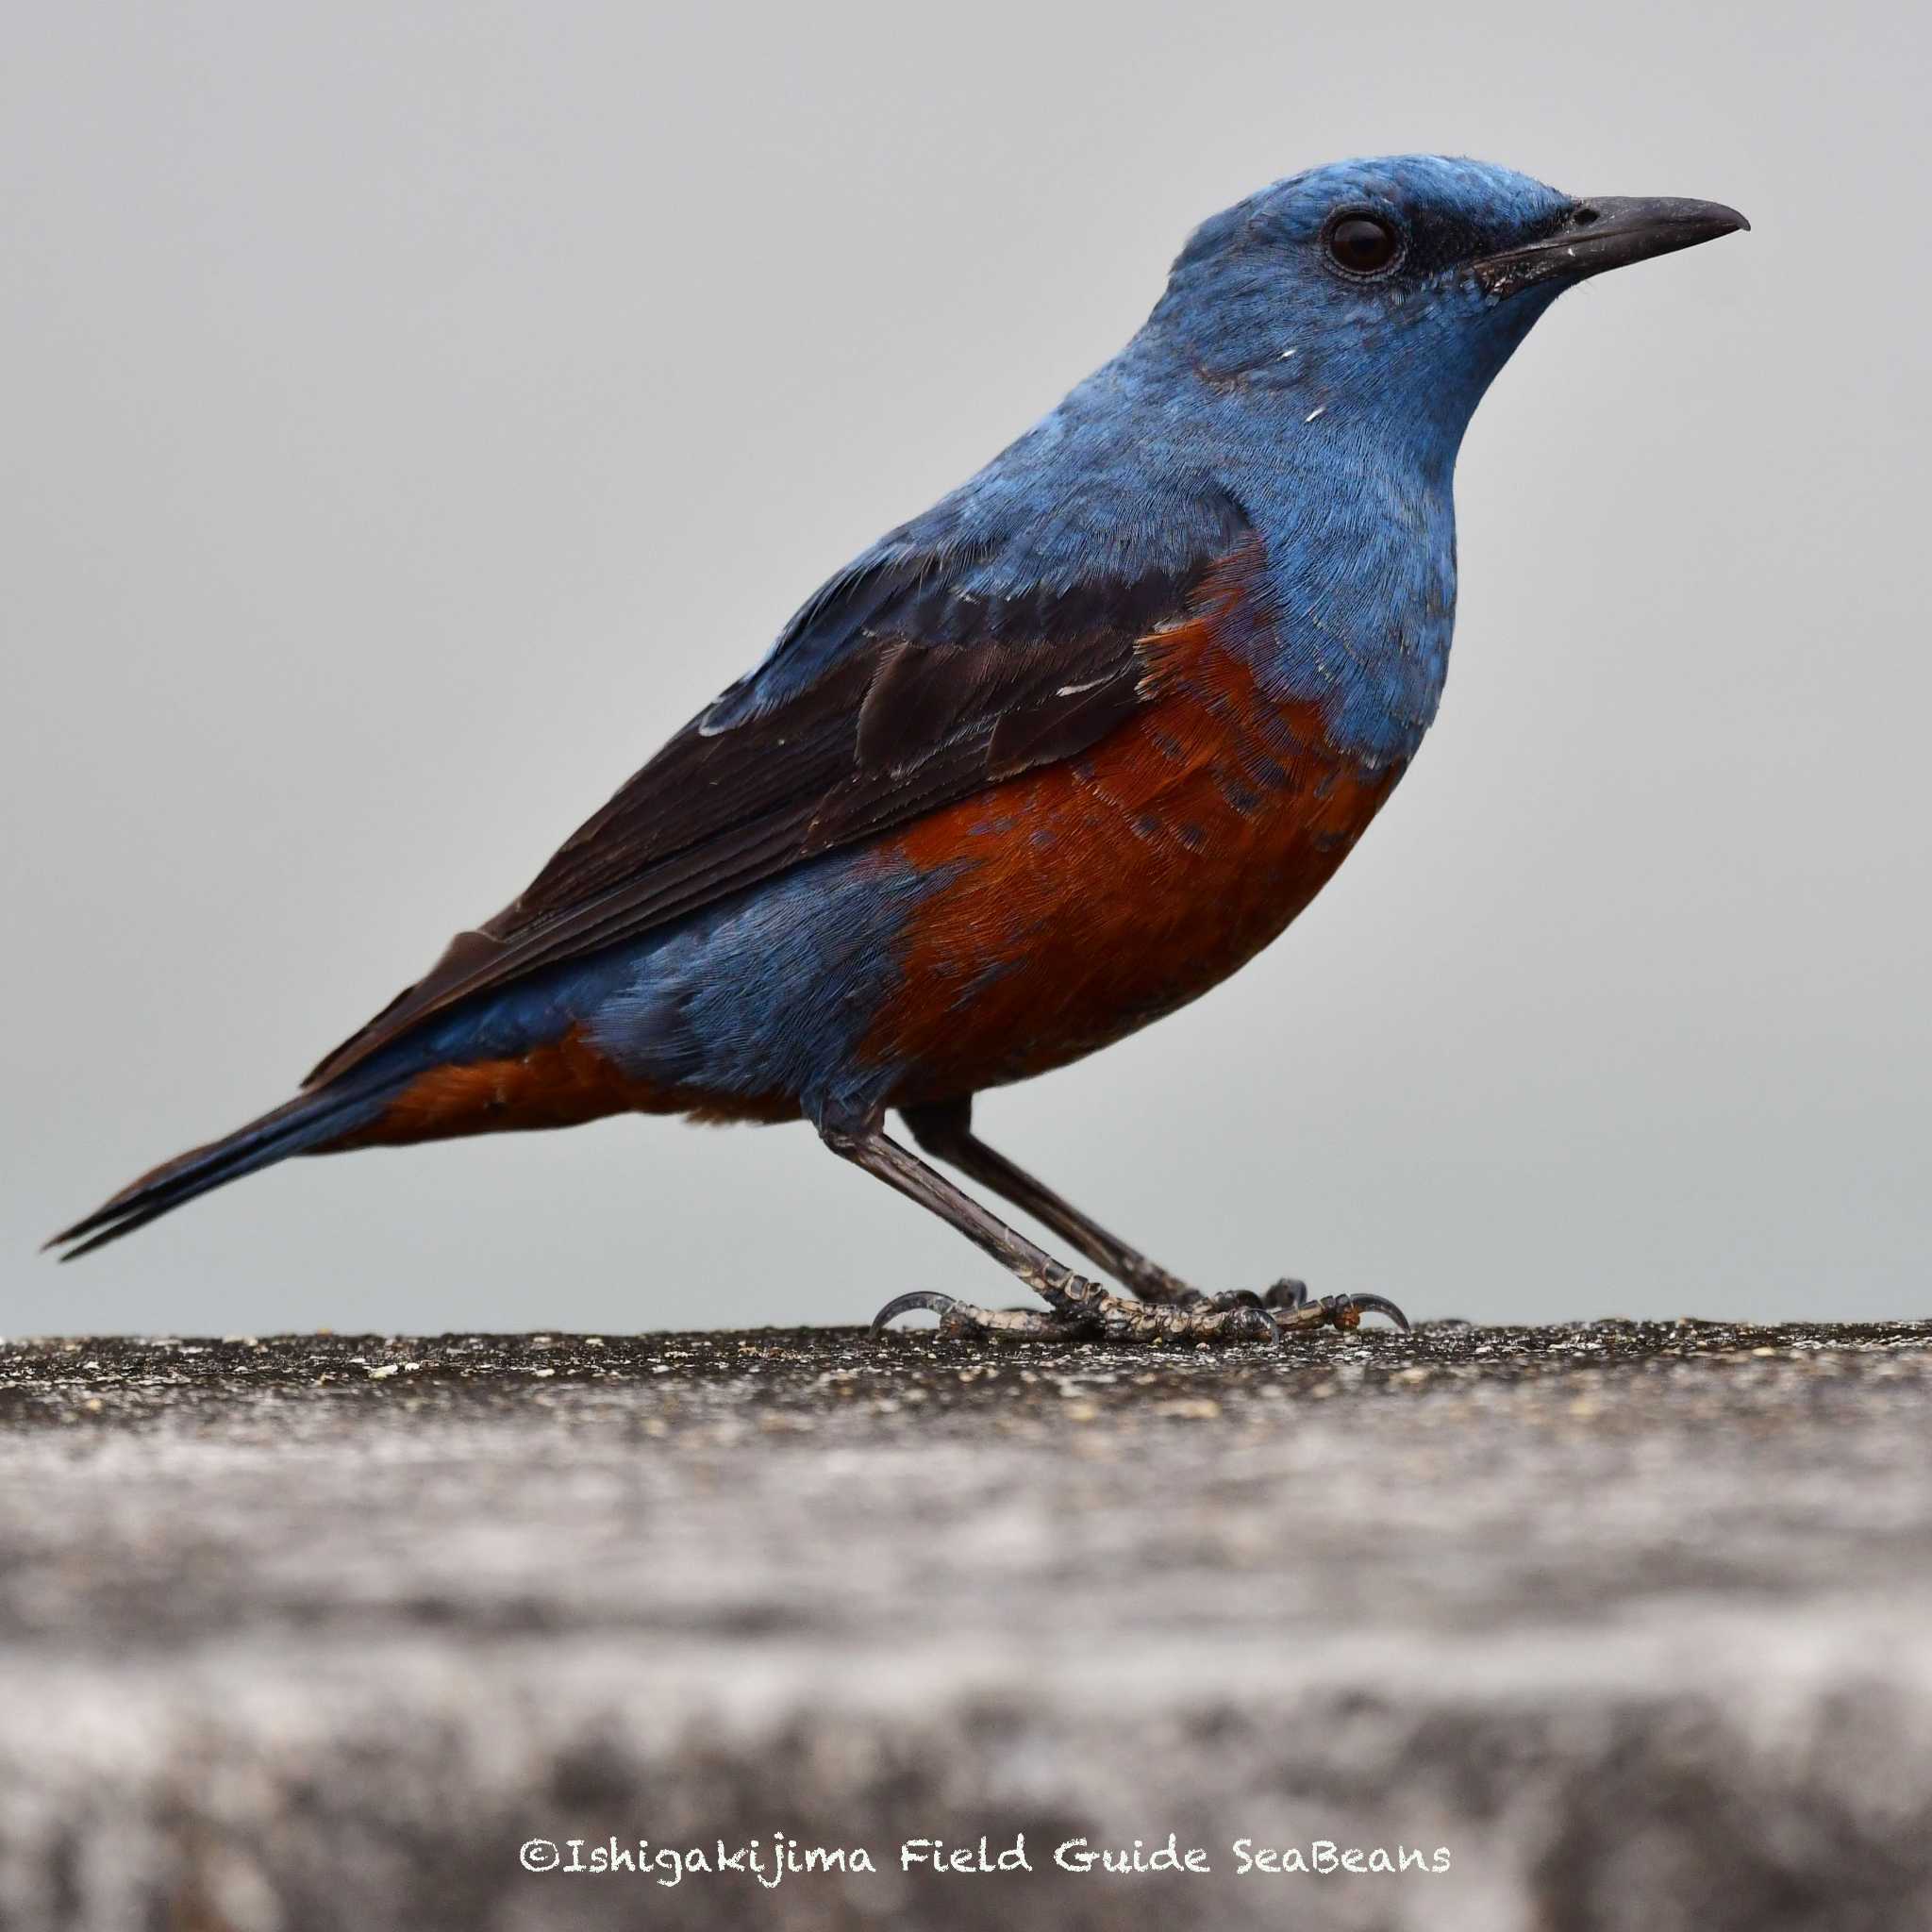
[[1088, 898]]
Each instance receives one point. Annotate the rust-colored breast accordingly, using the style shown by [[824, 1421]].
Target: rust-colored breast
[[1092, 898]]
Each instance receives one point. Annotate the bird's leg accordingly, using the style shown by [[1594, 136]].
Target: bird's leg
[[945, 1128], [1079, 1307]]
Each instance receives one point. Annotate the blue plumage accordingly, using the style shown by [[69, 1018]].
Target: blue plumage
[[772, 992], [1262, 392]]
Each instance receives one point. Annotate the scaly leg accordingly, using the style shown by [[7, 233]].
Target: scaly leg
[[945, 1128], [1079, 1307]]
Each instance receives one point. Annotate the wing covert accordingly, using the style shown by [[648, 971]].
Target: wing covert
[[892, 694]]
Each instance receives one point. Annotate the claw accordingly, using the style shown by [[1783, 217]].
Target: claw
[[1287, 1294], [1378, 1304], [942, 1305], [1343, 1311]]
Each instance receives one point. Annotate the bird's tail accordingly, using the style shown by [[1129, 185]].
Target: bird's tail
[[309, 1122]]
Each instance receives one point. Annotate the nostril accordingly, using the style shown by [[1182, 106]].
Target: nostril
[[1583, 217]]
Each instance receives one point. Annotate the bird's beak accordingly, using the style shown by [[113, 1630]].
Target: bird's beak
[[1608, 231]]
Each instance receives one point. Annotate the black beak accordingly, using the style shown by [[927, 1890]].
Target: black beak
[[1609, 231]]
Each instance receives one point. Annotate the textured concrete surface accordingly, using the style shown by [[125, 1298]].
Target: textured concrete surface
[[1632, 1623]]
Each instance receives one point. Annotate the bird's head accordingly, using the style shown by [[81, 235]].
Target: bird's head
[[1394, 290]]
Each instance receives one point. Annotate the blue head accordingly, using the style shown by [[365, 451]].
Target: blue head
[[1391, 292]]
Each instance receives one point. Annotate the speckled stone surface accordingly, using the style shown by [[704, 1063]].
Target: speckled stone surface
[[1633, 1620]]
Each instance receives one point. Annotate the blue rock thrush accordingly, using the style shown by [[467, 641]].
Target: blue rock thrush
[[1042, 765]]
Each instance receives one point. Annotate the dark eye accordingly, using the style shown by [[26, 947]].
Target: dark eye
[[1363, 245]]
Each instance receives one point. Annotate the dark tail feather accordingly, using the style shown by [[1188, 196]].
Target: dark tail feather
[[307, 1122]]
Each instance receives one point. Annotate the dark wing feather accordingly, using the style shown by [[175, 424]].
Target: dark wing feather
[[889, 696]]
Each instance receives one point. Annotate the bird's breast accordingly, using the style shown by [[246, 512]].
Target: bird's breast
[[1081, 901]]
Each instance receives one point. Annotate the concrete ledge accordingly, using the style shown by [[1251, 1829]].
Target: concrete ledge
[[1635, 1621]]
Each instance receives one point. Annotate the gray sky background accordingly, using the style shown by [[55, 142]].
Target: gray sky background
[[413, 414]]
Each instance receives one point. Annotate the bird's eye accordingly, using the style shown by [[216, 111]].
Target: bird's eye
[[1362, 244]]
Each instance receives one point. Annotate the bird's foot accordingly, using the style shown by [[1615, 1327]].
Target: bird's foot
[[1084, 1310], [961, 1321], [1294, 1308]]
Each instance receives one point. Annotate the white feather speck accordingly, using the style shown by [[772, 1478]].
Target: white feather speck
[[1319, 409]]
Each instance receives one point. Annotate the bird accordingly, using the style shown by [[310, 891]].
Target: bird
[[1040, 766]]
